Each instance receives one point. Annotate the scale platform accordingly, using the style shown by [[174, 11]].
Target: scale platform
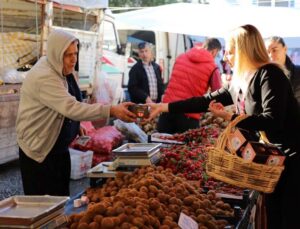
[[136, 161], [102, 171], [128, 157], [137, 149], [125, 164]]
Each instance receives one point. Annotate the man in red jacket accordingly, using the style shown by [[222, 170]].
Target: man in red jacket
[[194, 72]]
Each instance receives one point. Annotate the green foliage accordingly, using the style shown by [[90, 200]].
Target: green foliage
[[142, 3]]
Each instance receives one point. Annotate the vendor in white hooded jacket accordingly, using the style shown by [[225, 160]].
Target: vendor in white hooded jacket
[[49, 116]]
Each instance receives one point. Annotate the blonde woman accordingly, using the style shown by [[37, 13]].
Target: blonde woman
[[261, 90]]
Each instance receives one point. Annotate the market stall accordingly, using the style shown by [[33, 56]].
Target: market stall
[[181, 167], [160, 194]]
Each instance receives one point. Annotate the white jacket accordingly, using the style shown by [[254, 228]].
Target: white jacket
[[45, 101]]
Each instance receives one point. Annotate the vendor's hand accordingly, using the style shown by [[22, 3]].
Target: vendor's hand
[[121, 111], [156, 109], [217, 109], [82, 131]]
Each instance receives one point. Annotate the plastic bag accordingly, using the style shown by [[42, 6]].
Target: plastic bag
[[107, 90], [88, 126], [10, 75], [102, 140], [131, 131]]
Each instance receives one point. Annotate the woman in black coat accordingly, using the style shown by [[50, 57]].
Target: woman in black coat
[[277, 50], [261, 90]]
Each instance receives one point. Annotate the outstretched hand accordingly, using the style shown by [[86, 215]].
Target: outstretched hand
[[121, 111], [156, 109], [218, 110]]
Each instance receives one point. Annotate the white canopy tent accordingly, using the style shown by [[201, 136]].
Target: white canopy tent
[[87, 4], [211, 20]]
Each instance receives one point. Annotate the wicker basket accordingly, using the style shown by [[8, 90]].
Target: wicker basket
[[226, 166]]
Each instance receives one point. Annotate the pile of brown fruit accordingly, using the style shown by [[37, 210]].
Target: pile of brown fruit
[[151, 197]]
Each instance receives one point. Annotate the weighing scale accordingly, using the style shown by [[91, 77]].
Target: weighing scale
[[128, 157]]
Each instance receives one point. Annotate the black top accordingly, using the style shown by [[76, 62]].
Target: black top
[[138, 85], [269, 102], [70, 128]]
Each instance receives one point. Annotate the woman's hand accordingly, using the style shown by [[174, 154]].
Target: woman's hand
[[121, 111], [217, 109], [156, 109]]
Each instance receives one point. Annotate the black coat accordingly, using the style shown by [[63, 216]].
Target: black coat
[[138, 86], [272, 107], [294, 77], [270, 104]]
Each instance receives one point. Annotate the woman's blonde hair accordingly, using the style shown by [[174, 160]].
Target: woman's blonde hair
[[249, 49]]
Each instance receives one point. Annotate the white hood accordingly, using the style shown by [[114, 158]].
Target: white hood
[[58, 42]]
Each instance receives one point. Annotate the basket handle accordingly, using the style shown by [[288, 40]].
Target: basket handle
[[263, 137], [223, 138]]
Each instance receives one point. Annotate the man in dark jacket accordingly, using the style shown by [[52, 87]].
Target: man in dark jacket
[[145, 82]]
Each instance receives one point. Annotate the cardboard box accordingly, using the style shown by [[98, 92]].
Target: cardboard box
[[239, 138], [262, 153], [141, 111]]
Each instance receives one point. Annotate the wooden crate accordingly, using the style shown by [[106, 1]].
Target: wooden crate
[[8, 113]]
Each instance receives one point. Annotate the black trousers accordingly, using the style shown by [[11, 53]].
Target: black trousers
[[51, 177], [283, 204], [176, 123]]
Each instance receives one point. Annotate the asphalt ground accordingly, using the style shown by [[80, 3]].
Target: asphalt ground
[[11, 183]]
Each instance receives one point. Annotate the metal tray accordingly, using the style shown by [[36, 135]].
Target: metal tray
[[156, 137], [26, 210], [50, 221], [102, 171], [136, 149]]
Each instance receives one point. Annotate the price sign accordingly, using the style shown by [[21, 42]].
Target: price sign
[[186, 222], [83, 140]]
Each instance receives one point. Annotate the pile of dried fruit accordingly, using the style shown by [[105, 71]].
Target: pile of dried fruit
[[151, 197]]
